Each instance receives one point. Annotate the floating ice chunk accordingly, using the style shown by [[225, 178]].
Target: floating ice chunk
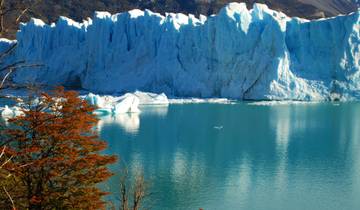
[[97, 100], [128, 103], [7, 112], [10, 112], [152, 98]]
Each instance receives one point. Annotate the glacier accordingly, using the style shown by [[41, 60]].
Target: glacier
[[239, 53]]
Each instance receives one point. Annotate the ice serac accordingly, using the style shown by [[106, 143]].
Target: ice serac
[[238, 53]]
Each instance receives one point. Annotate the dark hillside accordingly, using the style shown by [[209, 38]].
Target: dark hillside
[[50, 10]]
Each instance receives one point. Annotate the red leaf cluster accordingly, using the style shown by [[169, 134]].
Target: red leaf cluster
[[56, 161]]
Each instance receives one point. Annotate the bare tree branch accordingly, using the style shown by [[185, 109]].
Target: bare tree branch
[[5, 78], [14, 12], [10, 198], [21, 14], [6, 162], [12, 65], [2, 152], [8, 51], [136, 191]]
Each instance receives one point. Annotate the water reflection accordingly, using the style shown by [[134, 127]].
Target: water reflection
[[281, 119], [263, 158], [157, 110], [130, 122]]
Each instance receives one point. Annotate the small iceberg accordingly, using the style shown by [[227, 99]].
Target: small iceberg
[[10, 112], [127, 103]]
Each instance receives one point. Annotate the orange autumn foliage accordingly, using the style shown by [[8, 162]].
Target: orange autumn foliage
[[56, 160]]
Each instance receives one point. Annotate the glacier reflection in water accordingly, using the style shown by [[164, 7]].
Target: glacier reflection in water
[[295, 156], [130, 122]]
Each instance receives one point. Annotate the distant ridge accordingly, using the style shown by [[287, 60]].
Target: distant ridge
[[50, 10]]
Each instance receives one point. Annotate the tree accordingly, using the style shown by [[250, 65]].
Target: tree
[[134, 191], [56, 161], [132, 198], [9, 9], [3, 175], [6, 72]]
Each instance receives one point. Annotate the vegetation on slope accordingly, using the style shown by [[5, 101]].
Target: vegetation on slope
[[50, 10]]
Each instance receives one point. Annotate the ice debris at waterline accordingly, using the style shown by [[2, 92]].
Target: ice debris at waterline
[[128, 103], [201, 101], [10, 112], [281, 103], [239, 53]]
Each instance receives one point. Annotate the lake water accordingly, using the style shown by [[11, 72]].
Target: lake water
[[241, 156]]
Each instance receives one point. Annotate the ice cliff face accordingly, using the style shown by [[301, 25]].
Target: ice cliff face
[[239, 53]]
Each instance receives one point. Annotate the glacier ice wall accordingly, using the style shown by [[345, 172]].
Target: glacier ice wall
[[238, 53]]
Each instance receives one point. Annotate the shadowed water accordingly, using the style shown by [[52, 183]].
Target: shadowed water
[[241, 156]]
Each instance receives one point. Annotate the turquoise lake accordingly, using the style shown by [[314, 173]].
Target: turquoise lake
[[241, 156]]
